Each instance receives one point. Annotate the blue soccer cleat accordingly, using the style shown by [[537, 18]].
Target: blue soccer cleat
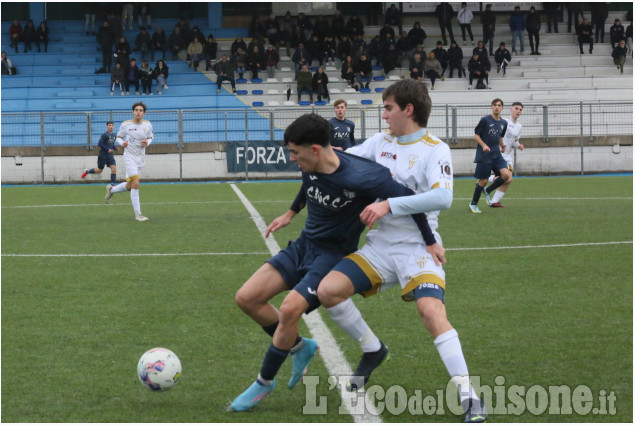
[[487, 198], [252, 396], [301, 360], [474, 209]]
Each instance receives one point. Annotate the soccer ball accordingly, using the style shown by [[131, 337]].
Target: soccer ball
[[159, 369]]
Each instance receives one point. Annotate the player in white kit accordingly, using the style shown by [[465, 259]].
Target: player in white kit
[[395, 253], [134, 135], [511, 140]]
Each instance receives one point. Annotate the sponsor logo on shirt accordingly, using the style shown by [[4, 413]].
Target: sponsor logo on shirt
[[389, 155]]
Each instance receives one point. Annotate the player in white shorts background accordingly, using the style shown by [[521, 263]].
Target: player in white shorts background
[[395, 253], [134, 135], [511, 140]]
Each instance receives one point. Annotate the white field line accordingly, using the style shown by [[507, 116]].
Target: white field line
[[333, 357]]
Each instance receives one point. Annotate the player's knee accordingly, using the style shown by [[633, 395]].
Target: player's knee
[[97, 170], [432, 313], [245, 302], [290, 312]]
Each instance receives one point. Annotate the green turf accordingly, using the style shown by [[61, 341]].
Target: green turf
[[73, 328]]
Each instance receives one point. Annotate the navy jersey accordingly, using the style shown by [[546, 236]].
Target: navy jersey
[[490, 132], [342, 133], [335, 201], [107, 142]]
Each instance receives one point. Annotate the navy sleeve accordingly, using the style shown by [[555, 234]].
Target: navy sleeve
[[300, 200], [479, 127], [103, 142], [352, 134]]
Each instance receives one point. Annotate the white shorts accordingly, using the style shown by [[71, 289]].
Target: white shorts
[[387, 264], [134, 166]]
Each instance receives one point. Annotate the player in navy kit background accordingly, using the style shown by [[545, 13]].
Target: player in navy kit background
[[342, 130], [336, 187], [489, 135], [105, 157]]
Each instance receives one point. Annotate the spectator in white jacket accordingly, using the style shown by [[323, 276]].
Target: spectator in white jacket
[[465, 17]]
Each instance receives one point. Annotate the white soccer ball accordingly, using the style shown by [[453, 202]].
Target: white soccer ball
[[159, 369]]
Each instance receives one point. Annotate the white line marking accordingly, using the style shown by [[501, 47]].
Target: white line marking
[[333, 357], [562, 245]]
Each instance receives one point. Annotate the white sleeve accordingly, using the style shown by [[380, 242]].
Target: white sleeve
[[149, 134], [365, 150], [121, 134]]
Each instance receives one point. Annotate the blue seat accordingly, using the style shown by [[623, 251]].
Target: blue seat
[[242, 92], [320, 103], [379, 78], [364, 90], [256, 92], [257, 104], [367, 102], [256, 80], [379, 89], [241, 80], [305, 103]]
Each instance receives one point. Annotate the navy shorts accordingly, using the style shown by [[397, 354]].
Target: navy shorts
[[105, 159], [303, 265], [485, 168]]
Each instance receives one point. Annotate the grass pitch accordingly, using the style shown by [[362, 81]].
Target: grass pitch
[[534, 291]]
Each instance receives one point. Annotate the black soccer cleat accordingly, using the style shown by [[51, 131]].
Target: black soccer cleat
[[475, 411], [366, 366]]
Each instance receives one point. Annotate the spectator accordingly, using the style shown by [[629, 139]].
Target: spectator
[[305, 25], [289, 22], [329, 50], [116, 79], [394, 17], [314, 47], [271, 61], [585, 35], [354, 26], [404, 45], [629, 38], [305, 82], [374, 49], [599, 13], [122, 52], [502, 58], [15, 33], [106, 38], [416, 67], [348, 73], [196, 32], [533, 29], [344, 48], [194, 53], [159, 42], [297, 37], [573, 10], [238, 43], [477, 69], [255, 28], [386, 32], [146, 75], [465, 17], [7, 66], [338, 25], [184, 25], [28, 35], [488, 20], [363, 71], [480, 50], [432, 69], [126, 14], [616, 31], [301, 57], [441, 55], [132, 77], [417, 34], [142, 43], [357, 43], [240, 59], [209, 52], [257, 41], [143, 11], [282, 39], [270, 27], [444, 13], [320, 85], [161, 72], [255, 61], [619, 55], [225, 71], [389, 57], [422, 53], [90, 13], [42, 36], [321, 28], [455, 59], [552, 10], [176, 42], [359, 50], [517, 25]]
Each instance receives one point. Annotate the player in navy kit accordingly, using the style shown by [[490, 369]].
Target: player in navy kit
[[336, 187], [489, 135], [106, 148], [341, 129]]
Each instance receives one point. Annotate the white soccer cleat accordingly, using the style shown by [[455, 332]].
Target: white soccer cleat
[[139, 217], [108, 194]]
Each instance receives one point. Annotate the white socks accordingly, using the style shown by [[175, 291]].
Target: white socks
[[134, 197], [121, 187], [498, 196], [449, 348], [348, 317]]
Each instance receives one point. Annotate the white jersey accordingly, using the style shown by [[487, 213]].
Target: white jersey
[[512, 135], [419, 161], [134, 134]]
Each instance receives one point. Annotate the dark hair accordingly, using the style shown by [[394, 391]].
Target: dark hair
[[497, 100], [307, 130], [139, 104], [415, 93], [110, 122], [518, 104]]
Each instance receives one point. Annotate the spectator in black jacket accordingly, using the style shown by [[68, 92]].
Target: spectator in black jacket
[[344, 48], [321, 27], [354, 26], [42, 36], [386, 31], [159, 42], [441, 55], [329, 49], [389, 57], [394, 17], [599, 13], [146, 75], [363, 71], [314, 47], [305, 25], [533, 29], [142, 43], [404, 45], [282, 38], [455, 59], [117, 79], [106, 38], [444, 13], [477, 69], [338, 25], [320, 85], [255, 61], [161, 75], [417, 34], [480, 50], [123, 50], [209, 52], [176, 42], [488, 20], [616, 31], [348, 73], [28, 35], [238, 43], [619, 55], [301, 56], [585, 35], [132, 77], [502, 58], [552, 10], [416, 67]]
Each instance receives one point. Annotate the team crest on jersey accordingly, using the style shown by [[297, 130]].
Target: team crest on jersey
[[348, 194], [412, 160], [421, 262]]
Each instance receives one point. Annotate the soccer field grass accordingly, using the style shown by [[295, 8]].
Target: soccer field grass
[[541, 293]]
